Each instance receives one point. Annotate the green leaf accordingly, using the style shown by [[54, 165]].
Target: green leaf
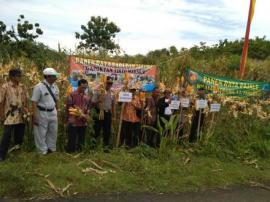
[[151, 128], [159, 126], [164, 121]]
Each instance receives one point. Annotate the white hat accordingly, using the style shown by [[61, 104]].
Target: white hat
[[50, 71]]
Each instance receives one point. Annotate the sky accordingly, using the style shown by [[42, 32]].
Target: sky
[[145, 24]]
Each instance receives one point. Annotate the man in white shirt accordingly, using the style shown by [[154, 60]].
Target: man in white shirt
[[44, 102]]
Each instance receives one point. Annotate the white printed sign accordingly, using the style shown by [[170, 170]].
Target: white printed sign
[[174, 104], [125, 97], [201, 104], [215, 107], [168, 111], [184, 102]]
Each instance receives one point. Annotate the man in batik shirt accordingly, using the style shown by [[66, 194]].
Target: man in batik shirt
[[13, 104]]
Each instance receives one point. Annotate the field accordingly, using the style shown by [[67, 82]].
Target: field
[[29, 175]]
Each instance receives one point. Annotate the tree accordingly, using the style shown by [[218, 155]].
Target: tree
[[19, 42], [173, 51], [98, 35], [4, 36], [26, 30]]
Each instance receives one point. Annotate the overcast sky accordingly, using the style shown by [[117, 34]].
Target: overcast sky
[[145, 24]]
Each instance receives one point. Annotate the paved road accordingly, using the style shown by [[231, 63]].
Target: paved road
[[235, 194]]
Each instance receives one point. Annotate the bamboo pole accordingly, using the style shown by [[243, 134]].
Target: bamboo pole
[[121, 116], [199, 124], [120, 126]]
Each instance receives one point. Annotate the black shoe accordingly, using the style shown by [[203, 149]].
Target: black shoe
[[49, 151], [1, 160]]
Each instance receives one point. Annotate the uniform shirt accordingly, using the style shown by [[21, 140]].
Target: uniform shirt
[[42, 96], [82, 101], [129, 112], [108, 100], [14, 98]]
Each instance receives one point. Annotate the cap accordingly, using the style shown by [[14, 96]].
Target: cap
[[167, 91], [50, 72]]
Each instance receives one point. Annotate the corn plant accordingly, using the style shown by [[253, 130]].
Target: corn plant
[[167, 132]]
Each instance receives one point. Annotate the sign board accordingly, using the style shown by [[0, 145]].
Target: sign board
[[168, 111], [125, 97], [215, 107], [201, 104], [95, 69], [174, 104], [184, 102], [226, 86]]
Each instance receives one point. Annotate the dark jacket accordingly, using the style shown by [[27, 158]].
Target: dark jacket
[[161, 106]]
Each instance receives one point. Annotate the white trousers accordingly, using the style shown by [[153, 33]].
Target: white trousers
[[45, 132]]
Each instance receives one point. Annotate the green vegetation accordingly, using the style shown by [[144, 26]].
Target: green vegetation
[[139, 171], [229, 156]]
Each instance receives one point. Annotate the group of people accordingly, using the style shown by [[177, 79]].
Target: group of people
[[79, 107]]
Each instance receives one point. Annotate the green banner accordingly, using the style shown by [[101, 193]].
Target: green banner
[[226, 86]]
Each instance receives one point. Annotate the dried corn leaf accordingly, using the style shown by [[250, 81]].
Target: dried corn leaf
[[187, 160], [66, 188], [90, 169], [92, 162], [111, 164], [251, 162], [53, 187], [76, 156], [256, 184]]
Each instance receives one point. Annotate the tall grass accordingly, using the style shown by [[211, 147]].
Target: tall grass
[[241, 137], [223, 136]]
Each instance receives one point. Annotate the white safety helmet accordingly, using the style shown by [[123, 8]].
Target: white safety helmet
[[50, 72]]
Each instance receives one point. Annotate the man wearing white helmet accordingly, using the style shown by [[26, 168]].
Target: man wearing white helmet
[[44, 102]]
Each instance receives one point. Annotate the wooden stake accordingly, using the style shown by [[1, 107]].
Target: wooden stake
[[120, 126], [121, 116], [199, 124]]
